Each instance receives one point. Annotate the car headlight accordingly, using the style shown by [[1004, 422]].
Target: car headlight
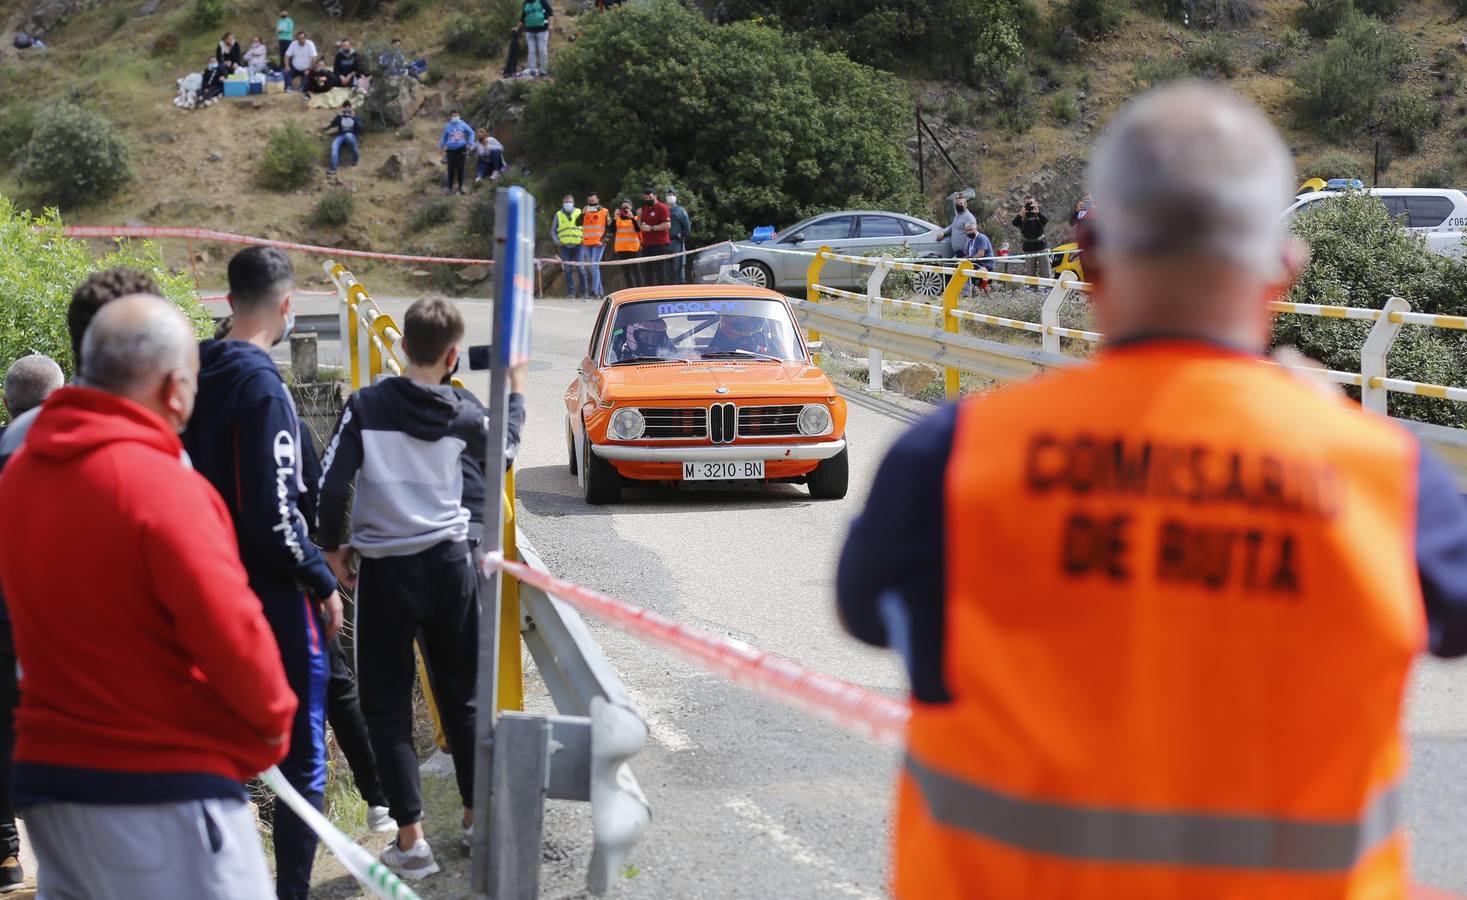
[[814, 420], [627, 424]]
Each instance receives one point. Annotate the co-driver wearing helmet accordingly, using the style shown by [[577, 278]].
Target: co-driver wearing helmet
[[751, 333]]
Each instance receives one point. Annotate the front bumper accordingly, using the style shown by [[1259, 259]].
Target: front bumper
[[718, 453]]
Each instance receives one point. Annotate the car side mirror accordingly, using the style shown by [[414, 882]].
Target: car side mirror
[[794, 239], [815, 346]]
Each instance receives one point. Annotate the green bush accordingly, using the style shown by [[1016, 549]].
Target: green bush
[[1090, 19], [74, 157], [1434, 178], [1339, 90], [334, 209], [1064, 107], [1212, 57], [1150, 73], [38, 271], [1206, 13], [1408, 116], [744, 114], [290, 159], [431, 213], [406, 9], [482, 210], [1360, 257], [1015, 97], [1381, 9], [206, 15], [471, 36], [17, 124], [1459, 7], [1322, 18], [1335, 164]]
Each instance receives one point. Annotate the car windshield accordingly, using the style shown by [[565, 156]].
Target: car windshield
[[704, 328]]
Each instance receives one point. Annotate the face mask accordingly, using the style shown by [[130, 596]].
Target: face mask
[[567, 207], [671, 199], [593, 206], [289, 324], [213, 65], [961, 207], [647, 204]]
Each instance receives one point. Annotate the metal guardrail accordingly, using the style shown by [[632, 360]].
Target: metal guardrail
[[948, 347], [580, 754]]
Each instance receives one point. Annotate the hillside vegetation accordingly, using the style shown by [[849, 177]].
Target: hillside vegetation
[[761, 111]]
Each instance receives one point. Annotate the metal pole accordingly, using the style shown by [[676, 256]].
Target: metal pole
[[921, 167], [1375, 172]]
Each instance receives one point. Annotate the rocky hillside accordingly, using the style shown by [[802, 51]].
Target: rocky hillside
[[1028, 132]]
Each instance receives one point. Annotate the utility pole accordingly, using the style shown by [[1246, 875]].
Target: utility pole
[[921, 166]]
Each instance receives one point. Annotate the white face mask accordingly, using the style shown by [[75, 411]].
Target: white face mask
[[567, 206], [671, 199]]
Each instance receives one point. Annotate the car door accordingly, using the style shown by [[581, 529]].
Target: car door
[[1434, 217], [834, 230], [875, 235]]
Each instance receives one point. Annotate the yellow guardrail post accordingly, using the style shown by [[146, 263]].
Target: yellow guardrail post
[[812, 278], [950, 297], [511, 672]]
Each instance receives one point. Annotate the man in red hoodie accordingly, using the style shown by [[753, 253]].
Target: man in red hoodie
[[151, 687]]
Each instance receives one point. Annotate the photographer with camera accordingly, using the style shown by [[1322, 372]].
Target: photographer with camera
[[1031, 224]]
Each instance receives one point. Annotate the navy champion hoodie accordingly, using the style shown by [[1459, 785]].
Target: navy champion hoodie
[[245, 438]]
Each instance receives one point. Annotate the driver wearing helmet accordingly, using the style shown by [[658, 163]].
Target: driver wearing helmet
[[646, 338], [739, 332]]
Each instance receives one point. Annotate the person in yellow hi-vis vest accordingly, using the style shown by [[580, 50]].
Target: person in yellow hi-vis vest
[[594, 219], [1159, 611], [567, 233]]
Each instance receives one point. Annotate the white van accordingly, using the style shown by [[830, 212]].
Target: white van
[[1438, 214]]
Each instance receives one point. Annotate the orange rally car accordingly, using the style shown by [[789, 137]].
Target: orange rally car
[[702, 383]]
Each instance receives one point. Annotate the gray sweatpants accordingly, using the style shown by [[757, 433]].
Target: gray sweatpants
[[199, 849]]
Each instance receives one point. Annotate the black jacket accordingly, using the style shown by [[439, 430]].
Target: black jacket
[[1031, 227]]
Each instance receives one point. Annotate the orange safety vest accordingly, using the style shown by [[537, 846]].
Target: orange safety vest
[[1182, 604], [628, 238], [593, 226]]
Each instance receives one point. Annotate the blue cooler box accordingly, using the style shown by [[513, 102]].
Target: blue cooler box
[[237, 88]]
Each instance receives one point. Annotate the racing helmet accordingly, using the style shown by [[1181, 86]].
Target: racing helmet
[[741, 326], [647, 337]]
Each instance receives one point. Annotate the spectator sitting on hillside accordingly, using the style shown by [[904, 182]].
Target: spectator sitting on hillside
[[257, 58], [348, 128], [347, 67], [393, 60], [229, 53], [322, 79], [491, 157], [298, 59], [213, 84]]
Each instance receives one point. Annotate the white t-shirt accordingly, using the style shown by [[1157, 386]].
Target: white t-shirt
[[300, 55]]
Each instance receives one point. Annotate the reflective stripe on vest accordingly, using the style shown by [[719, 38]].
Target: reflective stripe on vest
[[1179, 839], [568, 227], [593, 225], [628, 238]]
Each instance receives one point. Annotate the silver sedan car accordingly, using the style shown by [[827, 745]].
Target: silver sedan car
[[857, 232]]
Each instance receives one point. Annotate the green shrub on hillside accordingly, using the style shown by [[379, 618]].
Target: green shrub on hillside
[[472, 36], [743, 114], [1459, 8], [1434, 178], [482, 210], [206, 15], [1064, 108], [1335, 164], [334, 209], [431, 213], [1322, 18], [1408, 116], [1212, 58], [74, 157], [17, 124], [1381, 9], [1340, 90], [1150, 73], [38, 271], [291, 157], [1360, 257], [1090, 19], [1206, 13]]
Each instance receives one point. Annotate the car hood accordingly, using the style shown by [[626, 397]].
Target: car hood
[[702, 380]]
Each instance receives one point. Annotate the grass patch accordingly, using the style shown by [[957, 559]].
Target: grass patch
[[334, 209], [432, 213]]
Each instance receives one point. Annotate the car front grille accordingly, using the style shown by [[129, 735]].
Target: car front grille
[[769, 421], [721, 419], [686, 422]]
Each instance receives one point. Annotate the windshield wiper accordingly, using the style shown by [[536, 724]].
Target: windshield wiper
[[642, 359], [719, 354]]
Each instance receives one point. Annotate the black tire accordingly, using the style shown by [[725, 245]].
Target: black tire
[[603, 481], [831, 478], [756, 273], [570, 446]]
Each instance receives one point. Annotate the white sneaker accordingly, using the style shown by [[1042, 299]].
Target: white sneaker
[[380, 820], [413, 864], [468, 839]]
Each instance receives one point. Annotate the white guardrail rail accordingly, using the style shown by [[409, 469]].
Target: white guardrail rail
[[947, 346]]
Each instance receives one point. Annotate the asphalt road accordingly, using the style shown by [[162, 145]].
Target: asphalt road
[[751, 800]]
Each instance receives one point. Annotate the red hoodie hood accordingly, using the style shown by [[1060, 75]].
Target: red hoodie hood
[[78, 420]]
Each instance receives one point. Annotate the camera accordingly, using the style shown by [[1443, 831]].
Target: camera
[[479, 356]]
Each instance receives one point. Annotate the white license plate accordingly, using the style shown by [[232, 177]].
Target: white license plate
[[742, 470]]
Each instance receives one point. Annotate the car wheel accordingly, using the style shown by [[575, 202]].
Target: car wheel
[[930, 284], [570, 446], [603, 481], [757, 274], [831, 478]]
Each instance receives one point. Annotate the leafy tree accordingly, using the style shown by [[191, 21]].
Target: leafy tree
[[1342, 88], [1361, 257], [38, 271], [74, 156], [741, 116]]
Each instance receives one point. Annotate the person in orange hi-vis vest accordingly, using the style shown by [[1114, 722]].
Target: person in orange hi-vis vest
[[594, 219], [1159, 611]]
